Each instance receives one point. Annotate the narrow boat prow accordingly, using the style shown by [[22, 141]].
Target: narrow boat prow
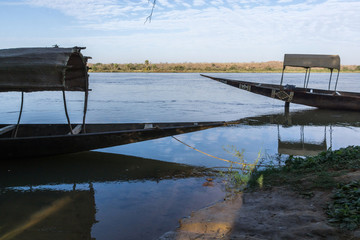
[[319, 98]]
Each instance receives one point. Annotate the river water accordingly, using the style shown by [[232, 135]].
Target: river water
[[141, 190]]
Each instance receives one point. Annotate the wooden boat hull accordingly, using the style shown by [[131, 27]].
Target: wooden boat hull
[[34, 140], [324, 99]]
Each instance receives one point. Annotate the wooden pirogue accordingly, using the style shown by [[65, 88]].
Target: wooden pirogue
[[65, 69], [326, 99]]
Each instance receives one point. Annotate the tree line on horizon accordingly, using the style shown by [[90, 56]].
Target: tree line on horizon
[[147, 66]]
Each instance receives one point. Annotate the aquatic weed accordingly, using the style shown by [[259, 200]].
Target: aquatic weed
[[239, 172], [313, 172], [344, 211]]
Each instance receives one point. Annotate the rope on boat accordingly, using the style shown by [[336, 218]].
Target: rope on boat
[[209, 155], [212, 156]]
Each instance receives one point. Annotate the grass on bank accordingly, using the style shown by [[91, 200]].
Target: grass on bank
[[305, 175], [271, 66]]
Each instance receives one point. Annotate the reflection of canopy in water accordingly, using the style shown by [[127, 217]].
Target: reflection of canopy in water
[[301, 147], [91, 166], [316, 117]]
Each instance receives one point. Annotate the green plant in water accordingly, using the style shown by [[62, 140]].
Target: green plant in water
[[239, 172], [344, 211]]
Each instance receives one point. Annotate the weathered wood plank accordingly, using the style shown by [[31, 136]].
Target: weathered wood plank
[[76, 130]]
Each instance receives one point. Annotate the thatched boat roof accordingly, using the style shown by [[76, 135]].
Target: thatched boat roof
[[43, 69]]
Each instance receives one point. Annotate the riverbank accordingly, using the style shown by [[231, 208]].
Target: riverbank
[[296, 201], [260, 67]]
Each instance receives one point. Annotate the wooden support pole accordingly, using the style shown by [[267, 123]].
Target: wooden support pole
[[287, 106]]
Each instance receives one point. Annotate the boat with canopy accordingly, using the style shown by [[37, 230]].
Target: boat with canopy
[[65, 69], [319, 98]]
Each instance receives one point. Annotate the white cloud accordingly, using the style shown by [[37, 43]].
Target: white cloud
[[92, 10], [199, 3], [165, 3], [217, 2], [224, 30]]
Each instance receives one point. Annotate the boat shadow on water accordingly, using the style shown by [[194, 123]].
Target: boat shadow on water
[[41, 198]]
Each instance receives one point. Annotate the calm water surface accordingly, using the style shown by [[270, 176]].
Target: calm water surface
[[141, 190]]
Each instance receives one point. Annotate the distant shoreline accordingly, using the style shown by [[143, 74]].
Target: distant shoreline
[[261, 67]]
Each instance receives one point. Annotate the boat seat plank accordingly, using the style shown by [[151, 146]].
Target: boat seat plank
[[76, 130], [148, 125], [7, 129]]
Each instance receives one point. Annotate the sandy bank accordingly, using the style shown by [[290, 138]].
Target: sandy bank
[[279, 213]]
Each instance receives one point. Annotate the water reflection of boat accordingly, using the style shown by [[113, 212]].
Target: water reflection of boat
[[313, 117], [92, 167], [302, 120], [326, 99], [64, 69], [47, 214], [55, 199], [301, 147]]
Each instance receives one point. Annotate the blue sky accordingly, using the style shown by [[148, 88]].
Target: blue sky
[[186, 30]]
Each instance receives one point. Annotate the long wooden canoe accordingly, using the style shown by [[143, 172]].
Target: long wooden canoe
[[34, 140], [325, 99], [65, 69]]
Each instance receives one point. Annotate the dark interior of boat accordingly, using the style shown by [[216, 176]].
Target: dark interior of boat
[[35, 130]]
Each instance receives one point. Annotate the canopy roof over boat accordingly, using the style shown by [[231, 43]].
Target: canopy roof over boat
[[43, 69], [311, 60]]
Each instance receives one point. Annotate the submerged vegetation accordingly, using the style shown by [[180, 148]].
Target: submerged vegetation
[[147, 66]]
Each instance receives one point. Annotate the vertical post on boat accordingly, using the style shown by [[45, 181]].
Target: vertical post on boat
[[305, 76], [86, 98], [337, 78], [287, 106], [85, 109], [66, 112], [18, 122], [307, 82], [330, 77], [282, 76]]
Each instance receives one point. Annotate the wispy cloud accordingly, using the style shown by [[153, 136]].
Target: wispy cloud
[[199, 3], [93, 10], [218, 28]]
